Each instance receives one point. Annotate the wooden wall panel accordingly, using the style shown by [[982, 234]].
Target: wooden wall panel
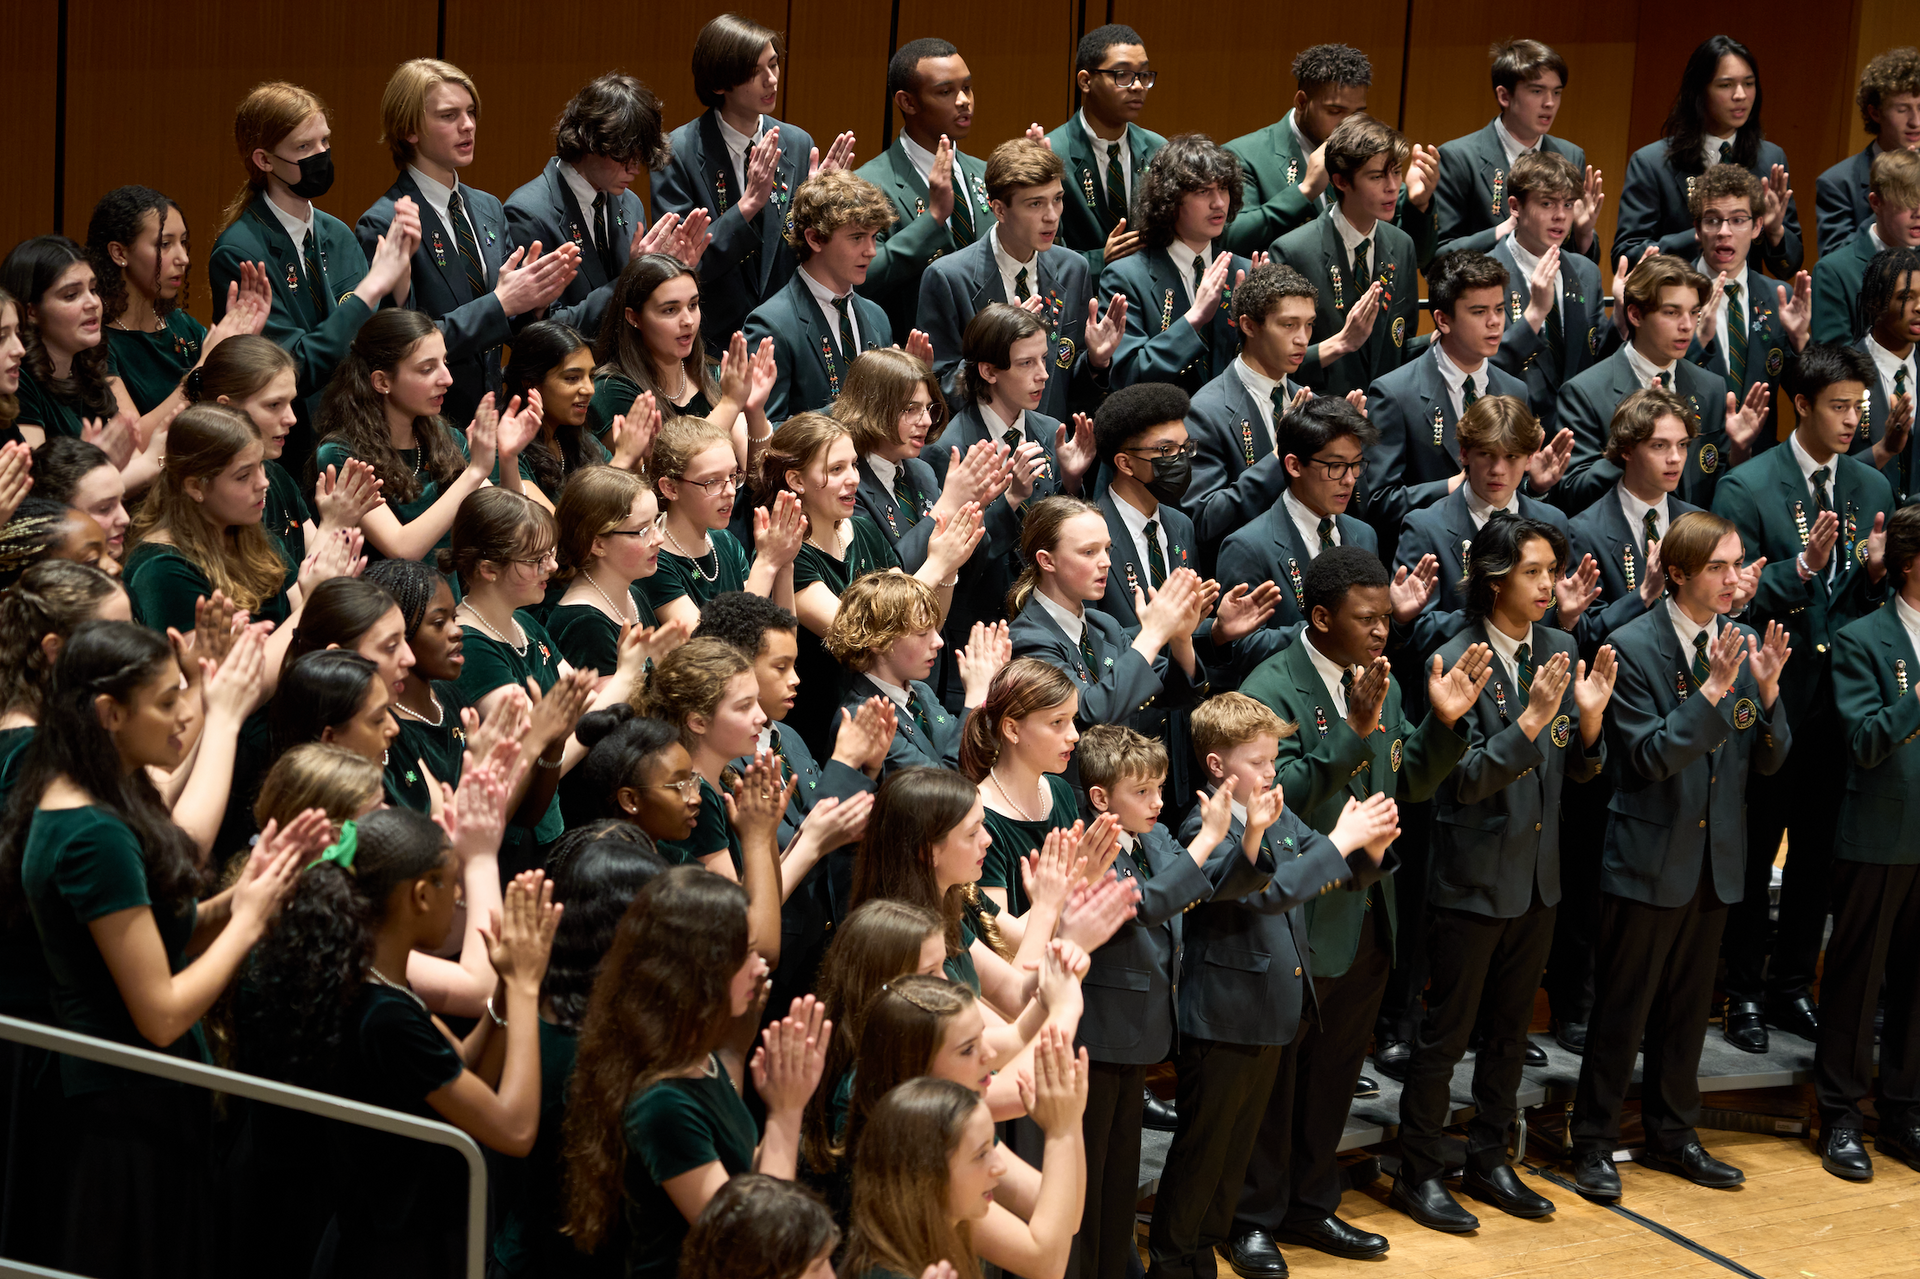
[[30, 34], [1021, 57], [837, 79], [1224, 67], [152, 90], [526, 74], [1450, 95]]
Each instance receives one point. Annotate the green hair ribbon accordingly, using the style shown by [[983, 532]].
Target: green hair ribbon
[[340, 851]]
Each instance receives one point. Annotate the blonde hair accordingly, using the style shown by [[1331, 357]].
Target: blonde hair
[[1498, 424], [1896, 179], [876, 611], [877, 390], [595, 501], [1041, 532], [268, 113], [340, 782], [1025, 686], [240, 559], [681, 440], [1109, 754], [1228, 720], [690, 681], [403, 107]]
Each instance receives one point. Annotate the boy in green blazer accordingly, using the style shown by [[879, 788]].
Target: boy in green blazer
[[1104, 150], [1837, 276], [1875, 879], [1353, 741]]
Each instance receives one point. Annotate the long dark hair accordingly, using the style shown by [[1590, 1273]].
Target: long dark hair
[[312, 962], [319, 691], [619, 348], [340, 611], [116, 220], [901, 1030], [53, 597], [619, 740], [597, 883], [354, 414], [29, 271], [914, 810], [538, 349], [61, 463], [659, 1004], [111, 659], [1686, 125]]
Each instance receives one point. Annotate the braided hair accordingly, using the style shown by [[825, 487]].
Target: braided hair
[[51, 598], [38, 526]]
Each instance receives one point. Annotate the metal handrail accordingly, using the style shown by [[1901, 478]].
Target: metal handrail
[[147, 1062]]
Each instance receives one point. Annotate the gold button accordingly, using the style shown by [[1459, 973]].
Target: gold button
[[1296, 972], [1536, 825], [1703, 824], [1712, 780], [1819, 648]]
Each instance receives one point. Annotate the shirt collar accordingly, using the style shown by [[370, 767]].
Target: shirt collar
[[1135, 520], [1301, 143], [431, 187], [1513, 146], [1686, 628], [1258, 384], [1482, 511], [1710, 147], [922, 161], [1183, 259], [1239, 811], [295, 228], [1009, 267], [1636, 513], [1879, 242], [884, 470], [1887, 363], [821, 293], [1075, 627], [1129, 842], [1306, 522], [999, 426], [737, 142], [1349, 237], [1808, 466], [1910, 619], [583, 192], [1507, 648], [1525, 261], [1101, 144], [1646, 370], [894, 691], [1330, 673], [1454, 375]]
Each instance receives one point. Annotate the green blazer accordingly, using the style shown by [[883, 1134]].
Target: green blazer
[[1089, 219], [315, 326], [914, 239], [1875, 677], [1471, 198], [810, 366], [1837, 278], [1316, 252], [1271, 203], [1326, 762], [1767, 500]]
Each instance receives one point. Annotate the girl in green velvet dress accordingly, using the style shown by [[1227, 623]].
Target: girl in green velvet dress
[[555, 360], [1014, 747], [610, 539], [649, 345]]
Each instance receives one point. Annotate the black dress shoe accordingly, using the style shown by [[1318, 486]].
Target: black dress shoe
[[1334, 1237], [1902, 1143], [1253, 1256], [1392, 1057], [1797, 1017], [1572, 1036], [1745, 1027], [1365, 1087], [1694, 1163], [1534, 1055], [1502, 1187], [1844, 1154], [1159, 1115], [1430, 1204], [1595, 1176]]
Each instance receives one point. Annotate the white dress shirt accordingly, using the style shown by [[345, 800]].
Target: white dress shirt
[[1260, 388], [884, 470], [1349, 238], [1136, 522], [1636, 513], [1307, 523], [1528, 264], [997, 426], [1330, 673], [436, 195], [1648, 373], [823, 297], [583, 195], [897, 694], [1456, 377], [1479, 510], [1728, 313], [1010, 269], [1710, 149], [1888, 365], [1507, 649], [1686, 628], [1125, 156], [1910, 623], [1183, 259], [1074, 624], [1513, 146]]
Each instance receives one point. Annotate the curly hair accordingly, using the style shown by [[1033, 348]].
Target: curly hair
[[828, 201], [313, 962], [120, 218], [743, 619], [690, 681], [1188, 162], [354, 414], [659, 1004], [29, 273], [1721, 181], [37, 526], [1340, 64], [1885, 280], [51, 598], [876, 610], [614, 116], [1887, 75], [411, 583], [1265, 286]]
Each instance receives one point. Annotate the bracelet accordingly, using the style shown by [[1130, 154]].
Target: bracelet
[[542, 762], [760, 439], [1800, 564], [498, 1020]]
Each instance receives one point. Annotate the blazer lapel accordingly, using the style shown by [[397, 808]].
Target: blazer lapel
[[1901, 658], [1619, 538], [1459, 526], [911, 191], [1127, 573], [818, 343], [986, 285], [287, 270], [1491, 164], [1436, 407], [1165, 286], [574, 224], [1290, 554], [437, 241]]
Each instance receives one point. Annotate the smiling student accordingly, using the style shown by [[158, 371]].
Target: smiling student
[[557, 362], [650, 345], [1890, 305], [1103, 145]]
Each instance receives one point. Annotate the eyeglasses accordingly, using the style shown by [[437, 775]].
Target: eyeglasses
[[1713, 222], [688, 788], [1125, 78], [1340, 470], [548, 556], [655, 527], [1165, 453], [915, 412], [706, 486]]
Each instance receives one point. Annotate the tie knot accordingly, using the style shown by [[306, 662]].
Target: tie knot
[[841, 304], [1732, 291], [1153, 530], [1700, 641], [1820, 476], [1666, 380], [1523, 655], [1651, 522], [1011, 437], [1113, 150], [599, 199], [1726, 151], [1346, 681]]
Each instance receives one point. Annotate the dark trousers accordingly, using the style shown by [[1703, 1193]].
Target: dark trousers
[[1876, 933], [1401, 1005], [1653, 971], [1223, 1091], [1583, 831], [1294, 1174], [1485, 971], [1802, 800], [1116, 1096]]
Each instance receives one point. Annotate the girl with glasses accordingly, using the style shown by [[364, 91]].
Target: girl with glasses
[[610, 540], [696, 474]]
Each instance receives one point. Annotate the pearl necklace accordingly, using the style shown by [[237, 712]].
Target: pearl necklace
[[520, 649], [1010, 801], [842, 539], [695, 559], [439, 712], [615, 609], [376, 975]]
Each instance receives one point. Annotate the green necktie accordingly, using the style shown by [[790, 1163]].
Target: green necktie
[[1701, 667], [1086, 649], [914, 709], [1736, 342], [786, 765], [1523, 670], [1650, 527], [1726, 152], [1820, 501], [603, 241], [1011, 438], [1360, 280], [1116, 183], [908, 496], [1556, 336], [1020, 289], [961, 224], [1141, 865], [1199, 272], [1282, 403], [1665, 379], [1346, 686], [1326, 532], [468, 246], [316, 274], [844, 306], [1467, 393], [1156, 563]]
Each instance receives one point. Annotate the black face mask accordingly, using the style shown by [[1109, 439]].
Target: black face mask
[[1171, 476], [316, 174]]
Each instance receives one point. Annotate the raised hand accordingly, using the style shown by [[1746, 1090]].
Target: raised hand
[[1745, 418], [16, 477], [1264, 807], [1897, 430], [1423, 176], [530, 280], [1368, 696], [1768, 659], [343, 496], [759, 800], [557, 711], [1370, 824], [792, 1055], [1877, 547], [632, 433], [919, 346], [1094, 912], [1244, 610], [1452, 693], [1709, 323], [1622, 269], [1206, 298], [1166, 614], [1412, 588], [1724, 657], [1576, 591], [1821, 541], [1586, 210], [1593, 688], [1746, 583], [1075, 451], [335, 554], [953, 540], [1216, 818], [274, 867], [1102, 335], [862, 739], [1550, 680], [114, 436], [779, 530], [657, 238], [1358, 328], [483, 438], [1796, 309], [1050, 871], [1543, 288], [1778, 197], [232, 687], [988, 648], [763, 165], [1546, 465], [839, 156], [520, 938], [691, 238], [1058, 1096], [1654, 584], [940, 182]]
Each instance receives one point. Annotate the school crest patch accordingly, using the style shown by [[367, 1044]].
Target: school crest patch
[[1709, 459], [1562, 730], [1860, 552], [1593, 341], [1063, 356], [1775, 361], [1394, 756], [1400, 330], [1744, 713]]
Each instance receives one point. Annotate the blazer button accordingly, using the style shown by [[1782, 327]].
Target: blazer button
[[1819, 648], [1712, 780], [1536, 825], [1703, 824], [1296, 972]]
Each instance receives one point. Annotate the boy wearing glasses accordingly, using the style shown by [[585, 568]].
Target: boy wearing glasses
[[1416, 407], [1750, 326], [1105, 152], [1660, 307]]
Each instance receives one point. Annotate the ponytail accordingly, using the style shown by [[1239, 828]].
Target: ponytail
[[1041, 532], [1025, 686]]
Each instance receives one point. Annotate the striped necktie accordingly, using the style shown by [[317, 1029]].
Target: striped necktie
[[1701, 667], [1523, 670], [1736, 342], [468, 246], [1116, 183], [1156, 562]]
